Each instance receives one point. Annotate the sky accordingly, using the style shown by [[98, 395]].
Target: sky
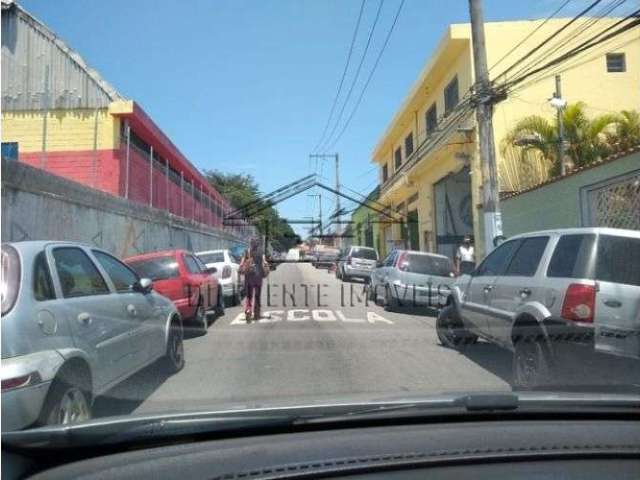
[[247, 85]]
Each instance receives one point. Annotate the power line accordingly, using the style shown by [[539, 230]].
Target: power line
[[521, 42], [344, 74], [375, 65], [355, 78], [548, 39], [578, 60], [570, 36], [593, 41]]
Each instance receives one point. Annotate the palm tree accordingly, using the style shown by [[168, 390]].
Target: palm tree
[[627, 130], [586, 139]]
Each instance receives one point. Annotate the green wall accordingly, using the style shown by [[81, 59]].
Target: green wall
[[359, 219], [557, 205]]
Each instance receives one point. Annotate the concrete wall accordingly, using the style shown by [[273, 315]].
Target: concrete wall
[[557, 204], [37, 205]]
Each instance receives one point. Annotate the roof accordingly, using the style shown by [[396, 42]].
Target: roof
[[611, 158], [67, 89], [420, 252], [578, 230], [158, 254]]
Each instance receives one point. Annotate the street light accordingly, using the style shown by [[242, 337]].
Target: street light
[[558, 103]]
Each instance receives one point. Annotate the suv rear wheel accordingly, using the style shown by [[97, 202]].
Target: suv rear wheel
[[531, 366], [450, 329]]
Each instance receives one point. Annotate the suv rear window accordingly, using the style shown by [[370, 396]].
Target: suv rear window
[[160, 268], [366, 253], [10, 277], [429, 265], [618, 260], [572, 257]]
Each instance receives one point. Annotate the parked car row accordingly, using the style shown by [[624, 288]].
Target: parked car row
[[403, 278], [76, 321], [540, 295]]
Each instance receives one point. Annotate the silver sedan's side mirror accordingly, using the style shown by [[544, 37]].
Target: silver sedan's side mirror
[[144, 285]]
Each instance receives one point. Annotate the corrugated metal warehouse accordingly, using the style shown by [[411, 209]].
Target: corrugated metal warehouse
[[60, 115]]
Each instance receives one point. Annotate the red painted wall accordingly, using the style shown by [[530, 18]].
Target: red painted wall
[[109, 176], [79, 166]]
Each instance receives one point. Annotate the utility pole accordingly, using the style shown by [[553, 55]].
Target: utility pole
[[339, 218], [484, 114], [336, 157], [559, 104], [319, 197]]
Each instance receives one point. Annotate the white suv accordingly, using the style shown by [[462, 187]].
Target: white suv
[[539, 291]]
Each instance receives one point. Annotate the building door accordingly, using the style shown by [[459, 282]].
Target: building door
[[454, 218], [414, 233]]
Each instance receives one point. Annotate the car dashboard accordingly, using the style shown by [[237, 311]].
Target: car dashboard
[[540, 449]]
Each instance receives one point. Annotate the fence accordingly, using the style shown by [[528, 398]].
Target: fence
[[604, 194]]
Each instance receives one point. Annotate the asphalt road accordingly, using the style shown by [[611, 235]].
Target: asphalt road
[[318, 344]]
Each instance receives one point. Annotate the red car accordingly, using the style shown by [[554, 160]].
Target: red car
[[181, 276]]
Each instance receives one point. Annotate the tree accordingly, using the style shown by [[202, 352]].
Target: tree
[[586, 139], [627, 130], [241, 190]]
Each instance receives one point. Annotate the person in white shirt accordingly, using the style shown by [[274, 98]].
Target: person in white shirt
[[465, 257]]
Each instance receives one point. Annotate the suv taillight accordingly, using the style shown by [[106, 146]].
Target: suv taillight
[[349, 260], [579, 303], [226, 271]]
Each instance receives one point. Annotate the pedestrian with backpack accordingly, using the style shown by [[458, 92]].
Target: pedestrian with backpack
[[254, 267]]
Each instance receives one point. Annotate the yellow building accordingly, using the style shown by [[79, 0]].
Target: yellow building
[[438, 188]]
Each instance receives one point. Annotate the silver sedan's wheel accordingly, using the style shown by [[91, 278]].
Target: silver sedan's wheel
[[67, 401], [73, 408]]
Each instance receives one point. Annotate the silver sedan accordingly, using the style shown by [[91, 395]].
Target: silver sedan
[[75, 322]]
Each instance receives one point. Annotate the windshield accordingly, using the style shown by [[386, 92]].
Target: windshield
[[366, 253], [391, 206], [427, 264], [160, 268], [216, 257]]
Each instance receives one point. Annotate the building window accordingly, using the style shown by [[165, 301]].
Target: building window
[[451, 95], [385, 172], [408, 145], [616, 62], [398, 157], [431, 119]]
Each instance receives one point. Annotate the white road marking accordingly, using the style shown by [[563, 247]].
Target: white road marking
[[323, 316], [317, 315]]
